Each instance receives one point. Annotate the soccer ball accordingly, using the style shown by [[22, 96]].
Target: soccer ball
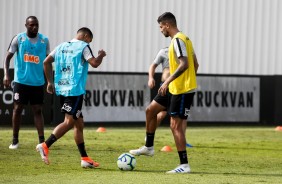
[[126, 162]]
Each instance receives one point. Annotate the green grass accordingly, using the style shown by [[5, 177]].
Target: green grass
[[220, 155]]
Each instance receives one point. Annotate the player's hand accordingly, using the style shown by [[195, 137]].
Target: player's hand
[[163, 89], [50, 88], [102, 53], [151, 83], [6, 81]]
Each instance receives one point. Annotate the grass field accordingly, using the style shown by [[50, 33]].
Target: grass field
[[219, 155]]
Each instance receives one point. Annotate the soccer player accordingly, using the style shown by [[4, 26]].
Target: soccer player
[[157, 109], [181, 84], [71, 69], [31, 49]]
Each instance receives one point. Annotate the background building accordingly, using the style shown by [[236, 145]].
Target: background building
[[238, 44], [230, 37]]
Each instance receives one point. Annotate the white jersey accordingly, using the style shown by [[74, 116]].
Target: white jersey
[[87, 52], [162, 58], [13, 48]]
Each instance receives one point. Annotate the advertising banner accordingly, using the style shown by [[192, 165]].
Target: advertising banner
[[6, 101], [119, 97], [116, 97], [229, 99], [7, 104]]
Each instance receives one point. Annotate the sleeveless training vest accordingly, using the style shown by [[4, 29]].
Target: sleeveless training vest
[[187, 80], [70, 69], [29, 60]]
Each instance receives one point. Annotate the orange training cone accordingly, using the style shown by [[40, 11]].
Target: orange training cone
[[166, 149], [101, 129], [278, 128]]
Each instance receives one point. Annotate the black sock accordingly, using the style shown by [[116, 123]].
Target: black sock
[[50, 140], [150, 139], [15, 138], [82, 151], [41, 138], [183, 157]]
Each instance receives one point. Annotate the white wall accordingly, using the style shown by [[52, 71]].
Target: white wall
[[229, 36]]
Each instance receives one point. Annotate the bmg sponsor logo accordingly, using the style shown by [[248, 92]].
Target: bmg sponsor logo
[[31, 58]]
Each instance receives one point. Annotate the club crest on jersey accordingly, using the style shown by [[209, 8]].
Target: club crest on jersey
[[66, 107], [31, 58], [22, 39], [16, 96]]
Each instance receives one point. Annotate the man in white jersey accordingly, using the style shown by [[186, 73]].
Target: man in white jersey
[[156, 110], [160, 59], [31, 48]]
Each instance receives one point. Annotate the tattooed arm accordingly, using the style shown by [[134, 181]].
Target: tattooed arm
[[183, 65]]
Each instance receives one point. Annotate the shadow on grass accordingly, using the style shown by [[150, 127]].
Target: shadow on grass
[[240, 174], [192, 173], [135, 170], [243, 148]]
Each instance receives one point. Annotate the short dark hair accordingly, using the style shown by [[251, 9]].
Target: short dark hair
[[86, 31], [167, 17], [31, 17]]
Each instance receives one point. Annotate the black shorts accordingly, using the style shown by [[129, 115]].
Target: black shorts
[[163, 100], [180, 105], [24, 94], [72, 105]]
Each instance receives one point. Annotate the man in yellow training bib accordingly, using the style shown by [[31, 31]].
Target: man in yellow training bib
[[181, 84]]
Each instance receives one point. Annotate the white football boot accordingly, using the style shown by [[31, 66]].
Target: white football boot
[[14, 146], [181, 169], [148, 151]]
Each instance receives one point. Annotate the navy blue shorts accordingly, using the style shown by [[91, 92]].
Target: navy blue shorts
[[72, 105], [163, 100], [180, 105], [24, 94]]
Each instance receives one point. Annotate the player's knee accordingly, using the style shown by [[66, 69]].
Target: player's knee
[[78, 127], [37, 111], [148, 110], [18, 109], [175, 125], [161, 115]]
